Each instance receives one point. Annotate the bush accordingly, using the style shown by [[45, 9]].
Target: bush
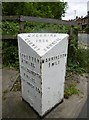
[[10, 28], [44, 27], [10, 54], [87, 29], [79, 64]]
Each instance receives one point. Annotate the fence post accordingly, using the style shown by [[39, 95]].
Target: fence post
[[21, 25], [73, 43]]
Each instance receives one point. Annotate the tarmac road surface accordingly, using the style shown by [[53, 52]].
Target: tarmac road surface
[[84, 112]]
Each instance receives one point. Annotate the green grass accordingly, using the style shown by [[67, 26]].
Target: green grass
[[71, 90]]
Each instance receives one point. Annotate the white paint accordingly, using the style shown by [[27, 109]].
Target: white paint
[[43, 82], [35, 38]]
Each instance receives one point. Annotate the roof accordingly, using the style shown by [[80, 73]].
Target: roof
[[86, 15]]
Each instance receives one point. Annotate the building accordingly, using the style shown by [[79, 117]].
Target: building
[[85, 21], [78, 20]]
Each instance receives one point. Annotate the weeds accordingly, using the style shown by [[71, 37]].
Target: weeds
[[70, 90], [79, 64]]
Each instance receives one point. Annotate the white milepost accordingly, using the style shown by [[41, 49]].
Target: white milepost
[[42, 58]]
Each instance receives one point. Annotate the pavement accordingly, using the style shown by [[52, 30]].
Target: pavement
[[14, 107]]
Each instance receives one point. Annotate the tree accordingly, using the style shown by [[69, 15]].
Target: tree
[[41, 9], [12, 8]]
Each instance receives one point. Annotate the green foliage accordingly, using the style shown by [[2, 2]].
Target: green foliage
[[40, 9], [70, 90], [78, 58], [10, 28], [79, 63], [82, 57], [10, 54], [87, 29], [44, 27], [12, 8]]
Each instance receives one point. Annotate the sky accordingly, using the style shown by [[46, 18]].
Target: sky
[[75, 8]]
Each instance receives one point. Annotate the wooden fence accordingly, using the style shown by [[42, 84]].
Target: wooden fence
[[21, 19]]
